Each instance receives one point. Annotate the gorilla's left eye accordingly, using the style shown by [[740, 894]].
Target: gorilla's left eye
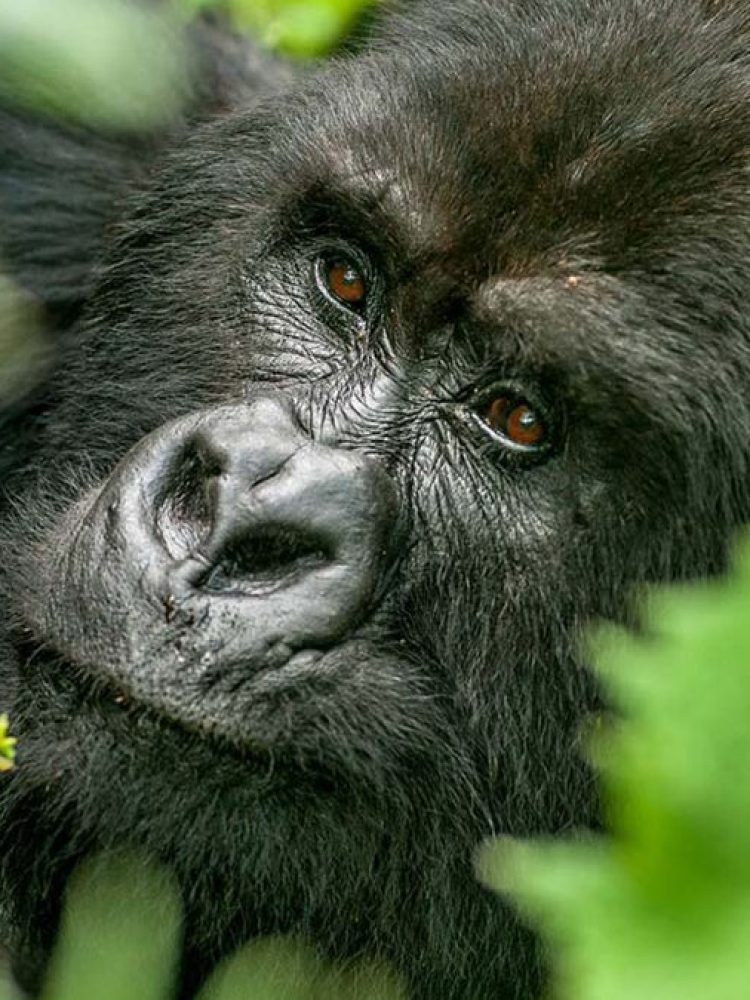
[[343, 280], [515, 420]]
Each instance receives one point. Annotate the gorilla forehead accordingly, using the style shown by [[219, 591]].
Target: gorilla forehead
[[561, 202], [579, 158]]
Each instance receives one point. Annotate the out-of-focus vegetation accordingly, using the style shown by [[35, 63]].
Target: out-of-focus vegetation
[[121, 64], [120, 940], [659, 910], [285, 969], [296, 27], [119, 936], [100, 62], [7, 746], [5, 984], [23, 353]]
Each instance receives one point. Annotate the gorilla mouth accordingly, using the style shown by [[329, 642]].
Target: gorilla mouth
[[308, 699], [269, 559]]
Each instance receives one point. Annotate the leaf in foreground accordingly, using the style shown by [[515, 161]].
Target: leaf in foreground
[[7, 746], [100, 62], [120, 933], [661, 910]]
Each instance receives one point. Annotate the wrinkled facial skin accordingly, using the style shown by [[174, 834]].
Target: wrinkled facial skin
[[381, 386]]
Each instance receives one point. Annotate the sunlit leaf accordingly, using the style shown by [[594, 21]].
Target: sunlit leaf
[[298, 27], [7, 746]]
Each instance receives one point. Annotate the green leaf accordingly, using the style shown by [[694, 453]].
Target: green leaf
[[302, 28], [24, 353], [120, 940], [5, 987], [661, 909], [120, 933], [271, 969], [99, 62], [288, 969], [7, 746]]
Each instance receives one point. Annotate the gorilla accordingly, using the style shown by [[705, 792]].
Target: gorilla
[[375, 383]]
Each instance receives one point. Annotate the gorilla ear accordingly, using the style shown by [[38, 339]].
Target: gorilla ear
[[61, 184]]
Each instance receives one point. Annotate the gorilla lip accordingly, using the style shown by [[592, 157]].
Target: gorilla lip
[[259, 708]]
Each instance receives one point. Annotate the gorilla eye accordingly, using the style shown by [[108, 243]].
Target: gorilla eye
[[514, 419], [342, 280]]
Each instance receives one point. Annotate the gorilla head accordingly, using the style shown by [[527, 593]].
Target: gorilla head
[[375, 387]]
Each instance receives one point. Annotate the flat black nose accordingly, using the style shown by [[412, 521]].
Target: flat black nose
[[296, 532]]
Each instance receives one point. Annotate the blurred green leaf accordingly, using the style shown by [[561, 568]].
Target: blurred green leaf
[[361, 981], [302, 28], [271, 969], [661, 911], [7, 746], [120, 940], [23, 350], [120, 933], [5, 989], [95, 61], [287, 969], [123, 64]]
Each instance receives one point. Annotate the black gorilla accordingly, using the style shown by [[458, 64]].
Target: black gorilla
[[375, 386]]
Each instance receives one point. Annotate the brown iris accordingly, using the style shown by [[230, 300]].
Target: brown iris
[[345, 281], [516, 420]]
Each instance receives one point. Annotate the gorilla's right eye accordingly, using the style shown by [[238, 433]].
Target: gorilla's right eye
[[342, 279], [514, 420], [517, 420]]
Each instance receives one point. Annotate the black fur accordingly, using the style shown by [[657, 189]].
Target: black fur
[[551, 194]]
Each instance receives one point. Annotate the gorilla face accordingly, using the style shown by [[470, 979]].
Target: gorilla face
[[387, 384]]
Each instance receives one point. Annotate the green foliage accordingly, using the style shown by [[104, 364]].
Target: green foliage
[[5, 985], [23, 360], [297, 27], [661, 910], [121, 64], [286, 969], [120, 940], [96, 61], [120, 934], [7, 746]]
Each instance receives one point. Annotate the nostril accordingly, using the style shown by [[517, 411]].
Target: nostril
[[265, 558], [185, 505]]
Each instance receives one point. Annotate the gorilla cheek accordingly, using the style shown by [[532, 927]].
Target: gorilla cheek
[[226, 550]]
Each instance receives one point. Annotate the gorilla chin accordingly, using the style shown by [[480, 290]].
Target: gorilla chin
[[374, 384]]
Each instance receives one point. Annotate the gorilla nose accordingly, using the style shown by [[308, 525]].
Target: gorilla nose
[[292, 533]]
